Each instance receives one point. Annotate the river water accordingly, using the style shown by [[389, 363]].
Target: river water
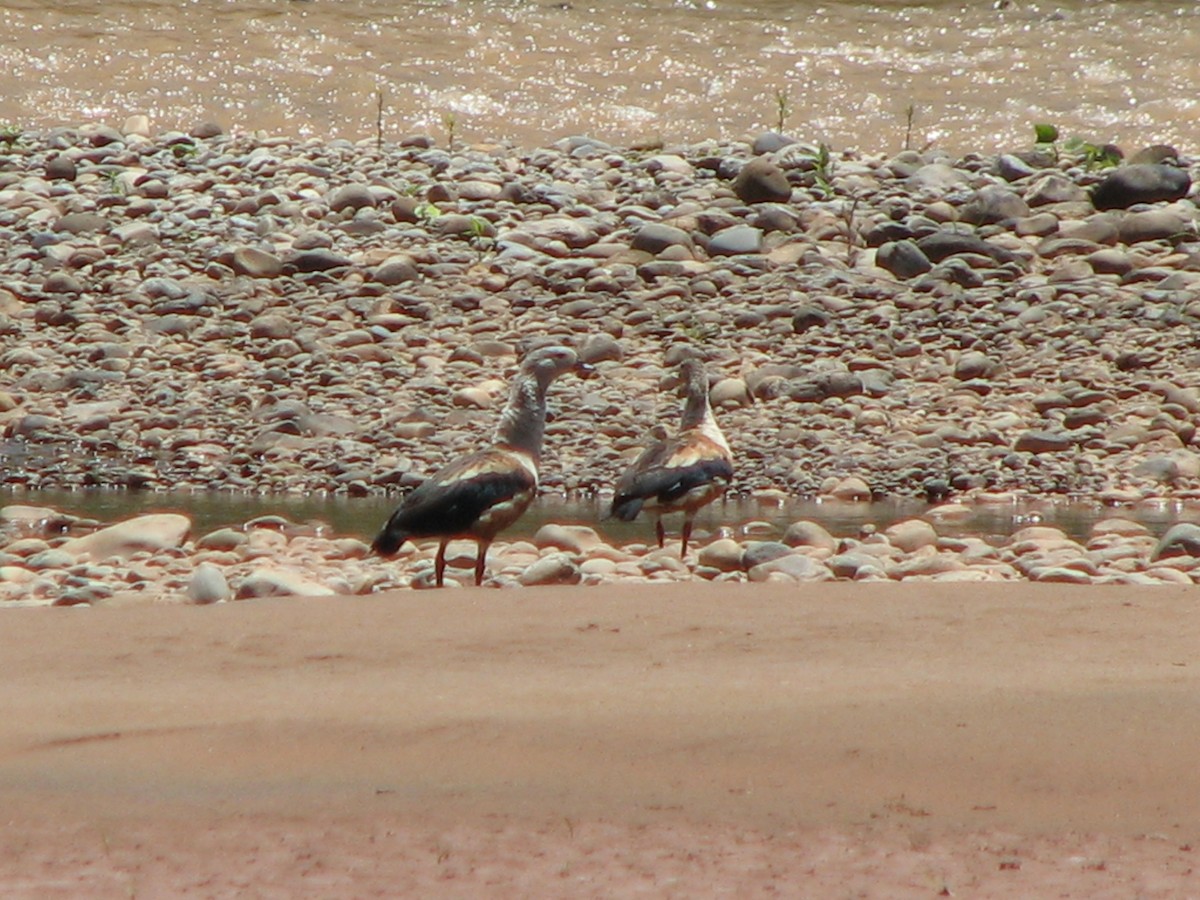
[[977, 74], [363, 516]]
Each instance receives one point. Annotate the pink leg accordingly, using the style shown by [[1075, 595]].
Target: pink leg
[[687, 533], [480, 560], [439, 564], [658, 529]]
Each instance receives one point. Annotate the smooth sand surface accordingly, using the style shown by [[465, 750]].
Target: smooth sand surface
[[680, 740]]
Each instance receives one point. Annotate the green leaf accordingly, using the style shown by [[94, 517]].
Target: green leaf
[[1107, 157], [427, 211], [1045, 134]]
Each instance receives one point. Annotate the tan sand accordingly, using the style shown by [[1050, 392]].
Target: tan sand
[[911, 740]]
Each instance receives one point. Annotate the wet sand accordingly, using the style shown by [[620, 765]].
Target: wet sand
[[678, 740]]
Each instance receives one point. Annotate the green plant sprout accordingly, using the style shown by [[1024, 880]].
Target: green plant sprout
[[478, 226], [1093, 156], [427, 212], [379, 118], [449, 122], [783, 109], [1045, 137], [849, 214], [115, 184], [689, 326], [910, 115], [1044, 133], [823, 169], [478, 237]]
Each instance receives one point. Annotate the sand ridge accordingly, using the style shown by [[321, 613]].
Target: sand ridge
[[1001, 736]]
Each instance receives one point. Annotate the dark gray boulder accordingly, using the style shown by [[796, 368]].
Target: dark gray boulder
[[904, 259], [993, 204], [761, 181], [1151, 225], [735, 241], [319, 260], [1179, 540], [942, 245], [1142, 183], [654, 237], [770, 141]]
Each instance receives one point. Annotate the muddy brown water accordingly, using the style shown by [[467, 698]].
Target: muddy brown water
[[977, 74]]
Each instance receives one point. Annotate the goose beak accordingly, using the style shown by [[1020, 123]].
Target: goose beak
[[584, 370]]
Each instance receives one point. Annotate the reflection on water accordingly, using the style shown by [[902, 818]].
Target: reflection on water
[[531, 71], [362, 516]]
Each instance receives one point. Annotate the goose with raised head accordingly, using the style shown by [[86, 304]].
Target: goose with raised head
[[477, 496], [680, 474]]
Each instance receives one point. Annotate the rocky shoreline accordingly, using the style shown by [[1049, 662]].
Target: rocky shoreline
[[52, 559], [245, 313]]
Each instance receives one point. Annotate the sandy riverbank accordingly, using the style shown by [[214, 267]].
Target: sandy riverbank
[[675, 740]]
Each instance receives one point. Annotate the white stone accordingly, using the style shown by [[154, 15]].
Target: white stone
[[573, 538], [557, 568], [911, 535], [149, 533], [280, 583], [208, 585]]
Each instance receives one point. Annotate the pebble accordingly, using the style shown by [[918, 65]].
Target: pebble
[[1141, 183], [722, 555], [792, 567], [555, 568], [851, 489], [859, 350], [157, 531], [577, 539], [285, 560], [208, 585], [279, 583], [1182, 539], [903, 258], [809, 534], [762, 181], [911, 535], [735, 240]]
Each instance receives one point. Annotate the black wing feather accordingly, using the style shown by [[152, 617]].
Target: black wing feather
[[627, 498], [446, 508], [666, 484], [694, 476], [626, 508]]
